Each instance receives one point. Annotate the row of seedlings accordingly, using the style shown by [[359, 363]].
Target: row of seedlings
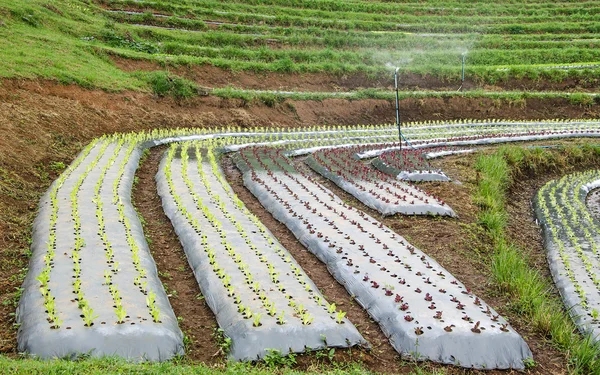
[[40, 289], [424, 311], [51, 204], [374, 188], [439, 129], [571, 237], [262, 299], [96, 263], [483, 139], [335, 135], [410, 164]]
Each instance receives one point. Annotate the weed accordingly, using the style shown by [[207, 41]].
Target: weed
[[223, 341], [329, 354], [275, 359], [57, 166]]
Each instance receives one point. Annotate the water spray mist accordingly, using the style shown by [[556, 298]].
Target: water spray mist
[[398, 108], [462, 71]]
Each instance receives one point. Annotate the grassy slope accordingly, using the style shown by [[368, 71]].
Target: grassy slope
[[41, 40], [510, 268], [69, 40]]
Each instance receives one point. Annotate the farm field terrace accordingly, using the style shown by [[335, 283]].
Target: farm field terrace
[[198, 187], [266, 154], [303, 46]]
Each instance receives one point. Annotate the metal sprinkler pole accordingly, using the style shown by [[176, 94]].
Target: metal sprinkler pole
[[398, 109], [463, 69], [462, 73]]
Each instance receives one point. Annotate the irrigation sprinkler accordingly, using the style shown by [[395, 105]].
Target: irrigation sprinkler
[[462, 72], [398, 109]]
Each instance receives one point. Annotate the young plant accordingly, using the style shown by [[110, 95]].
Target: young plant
[[307, 319], [339, 317], [108, 277], [256, 321], [331, 308], [150, 299], [88, 315], [280, 319], [121, 313], [155, 312], [248, 312]]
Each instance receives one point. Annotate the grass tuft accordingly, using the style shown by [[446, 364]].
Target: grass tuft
[[165, 84]]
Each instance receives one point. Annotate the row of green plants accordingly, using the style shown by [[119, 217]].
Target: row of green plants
[[240, 35], [244, 307], [77, 252], [369, 57], [510, 269], [433, 7], [44, 275], [286, 17], [219, 8], [572, 228], [82, 303], [283, 255], [108, 248], [139, 279]]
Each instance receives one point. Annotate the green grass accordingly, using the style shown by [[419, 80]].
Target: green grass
[[508, 96], [165, 84], [70, 40], [529, 291], [38, 42], [91, 366]]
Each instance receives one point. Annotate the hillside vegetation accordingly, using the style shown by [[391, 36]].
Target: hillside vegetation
[[76, 41]]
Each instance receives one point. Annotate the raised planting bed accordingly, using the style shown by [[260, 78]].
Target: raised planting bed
[[424, 311], [92, 286], [373, 187], [571, 237], [412, 164], [483, 139], [442, 129], [262, 299]]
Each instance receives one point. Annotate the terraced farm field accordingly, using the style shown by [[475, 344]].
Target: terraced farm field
[[553, 41], [216, 186], [338, 46], [264, 302]]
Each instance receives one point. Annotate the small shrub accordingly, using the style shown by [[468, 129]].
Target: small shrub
[[165, 84]]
